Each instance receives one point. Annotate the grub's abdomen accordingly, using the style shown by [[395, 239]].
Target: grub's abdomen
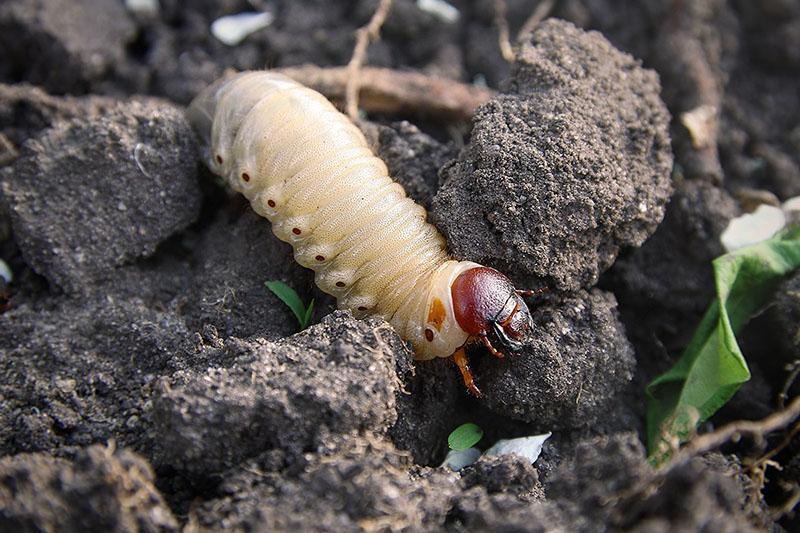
[[308, 169]]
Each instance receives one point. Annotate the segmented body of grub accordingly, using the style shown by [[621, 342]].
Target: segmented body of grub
[[308, 169]]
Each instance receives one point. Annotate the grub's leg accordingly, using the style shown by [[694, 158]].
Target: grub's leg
[[486, 342], [460, 359], [532, 292]]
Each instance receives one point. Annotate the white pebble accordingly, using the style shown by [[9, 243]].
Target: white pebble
[[527, 447], [753, 228], [5, 272], [458, 459], [143, 7], [440, 8], [702, 123], [233, 29], [479, 80], [791, 208], [791, 205]]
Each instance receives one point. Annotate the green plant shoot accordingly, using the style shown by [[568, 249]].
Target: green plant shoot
[[288, 296], [464, 436], [712, 368]]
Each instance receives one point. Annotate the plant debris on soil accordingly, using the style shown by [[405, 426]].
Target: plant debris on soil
[[149, 379]]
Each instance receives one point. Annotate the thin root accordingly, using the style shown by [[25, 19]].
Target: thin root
[[365, 34], [541, 12], [389, 91]]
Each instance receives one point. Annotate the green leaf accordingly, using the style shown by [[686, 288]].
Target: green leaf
[[307, 315], [712, 368], [464, 436], [288, 296]]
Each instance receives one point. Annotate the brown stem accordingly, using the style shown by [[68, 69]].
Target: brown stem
[[365, 34], [390, 91], [503, 35], [541, 12], [709, 441], [715, 439]]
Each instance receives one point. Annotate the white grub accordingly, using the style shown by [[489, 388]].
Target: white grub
[[233, 29], [445, 11], [386, 261], [753, 228]]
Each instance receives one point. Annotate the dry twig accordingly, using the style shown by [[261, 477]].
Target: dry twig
[[541, 12], [787, 506], [709, 441], [794, 371], [757, 471], [733, 431], [767, 457], [503, 34], [8, 152], [390, 91], [364, 35]]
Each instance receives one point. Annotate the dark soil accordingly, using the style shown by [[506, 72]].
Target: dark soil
[[149, 380]]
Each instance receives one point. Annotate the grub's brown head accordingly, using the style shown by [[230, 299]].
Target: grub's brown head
[[486, 304]]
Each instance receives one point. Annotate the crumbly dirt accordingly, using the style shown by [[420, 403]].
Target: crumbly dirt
[[336, 376], [566, 175], [98, 488], [77, 214], [150, 381]]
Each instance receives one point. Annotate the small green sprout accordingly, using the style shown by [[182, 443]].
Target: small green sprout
[[464, 436], [288, 296]]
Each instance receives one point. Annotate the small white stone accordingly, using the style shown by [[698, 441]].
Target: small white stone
[[5, 272], [233, 29], [791, 208], [792, 204], [440, 8], [143, 7], [753, 228], [479, 80], [527, 447], [702, 123], [458, 459]]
